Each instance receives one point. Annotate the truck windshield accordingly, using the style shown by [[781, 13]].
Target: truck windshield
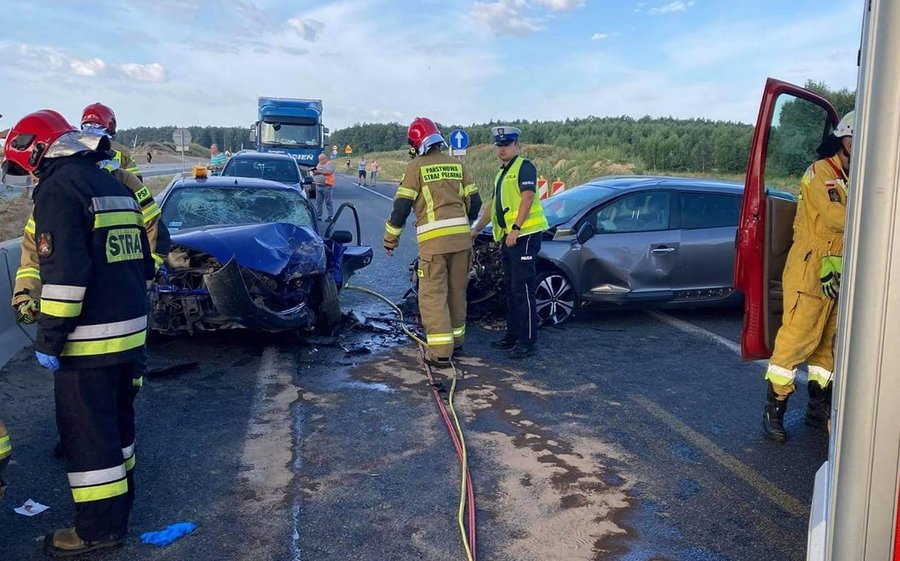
[[290, 135]]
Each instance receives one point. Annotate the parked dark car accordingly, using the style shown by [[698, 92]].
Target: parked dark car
[[264, 165], [627, 241], [247, 253]]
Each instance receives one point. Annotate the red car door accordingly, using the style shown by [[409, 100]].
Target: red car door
[[792, 122]]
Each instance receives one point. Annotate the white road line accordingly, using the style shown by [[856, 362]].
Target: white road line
[[367, 189], [701, 333]]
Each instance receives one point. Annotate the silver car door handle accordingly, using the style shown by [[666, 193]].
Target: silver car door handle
[[663, 249]]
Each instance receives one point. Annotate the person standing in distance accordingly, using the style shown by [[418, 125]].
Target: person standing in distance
[[518, 221], [323, 177]]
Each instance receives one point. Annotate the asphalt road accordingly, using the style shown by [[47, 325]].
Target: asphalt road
[[631, 436]]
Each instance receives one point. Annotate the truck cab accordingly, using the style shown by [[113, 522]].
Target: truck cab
[[290, 126]]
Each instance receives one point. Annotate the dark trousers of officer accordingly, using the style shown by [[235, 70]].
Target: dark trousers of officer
[[95, 418], [519, 275]]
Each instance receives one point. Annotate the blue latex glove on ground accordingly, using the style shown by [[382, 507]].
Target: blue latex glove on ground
[[51, 363], [169, 535]]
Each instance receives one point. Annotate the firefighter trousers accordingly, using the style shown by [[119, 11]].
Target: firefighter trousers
[[5, 452], [443, 280], [95, 418], [808, 329], [519, 277]]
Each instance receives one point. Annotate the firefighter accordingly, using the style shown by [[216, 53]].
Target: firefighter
[[94, 262], [811, 283], [101, 119], [517, 219], [5, 452], [445, 199]]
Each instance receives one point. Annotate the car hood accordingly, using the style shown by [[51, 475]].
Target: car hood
[[272, 249]]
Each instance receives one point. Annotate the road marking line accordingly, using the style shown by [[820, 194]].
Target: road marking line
[[784, 500], [701, 333], [367, 189]]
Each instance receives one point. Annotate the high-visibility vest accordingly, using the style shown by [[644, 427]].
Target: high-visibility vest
[[510, 199]]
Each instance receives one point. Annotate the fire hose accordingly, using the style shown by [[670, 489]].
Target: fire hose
[[466, 510]]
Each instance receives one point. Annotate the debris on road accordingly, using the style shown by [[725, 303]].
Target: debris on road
[[356, 351], [168, 535], [31, 508]]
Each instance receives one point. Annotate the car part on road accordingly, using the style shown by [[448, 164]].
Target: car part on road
[[467, 491], [555, 298]]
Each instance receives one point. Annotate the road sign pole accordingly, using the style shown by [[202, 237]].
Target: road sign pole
[[182, 152]]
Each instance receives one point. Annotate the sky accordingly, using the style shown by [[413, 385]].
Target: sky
[[200, 62]]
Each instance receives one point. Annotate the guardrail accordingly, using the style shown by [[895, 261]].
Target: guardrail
[[12, 337]]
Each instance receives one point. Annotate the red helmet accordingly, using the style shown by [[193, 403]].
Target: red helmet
[[29, 139], [423, 134], [99, 115]]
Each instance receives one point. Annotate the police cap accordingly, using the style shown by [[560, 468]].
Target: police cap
[[505, 135]]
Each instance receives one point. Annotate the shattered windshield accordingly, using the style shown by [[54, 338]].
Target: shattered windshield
[[193, 207]]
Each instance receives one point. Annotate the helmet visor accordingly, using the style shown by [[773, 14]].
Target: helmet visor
[[76, 142]]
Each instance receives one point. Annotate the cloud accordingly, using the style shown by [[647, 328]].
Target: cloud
[[91, 67], [504, 18], [559, 5], [153, 72], [599, 36], [309, 29], [671, 7]]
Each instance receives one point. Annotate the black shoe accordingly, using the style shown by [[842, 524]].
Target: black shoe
[[441, 362], [521, 351], [773, 418], [504, 344], [818, 412]]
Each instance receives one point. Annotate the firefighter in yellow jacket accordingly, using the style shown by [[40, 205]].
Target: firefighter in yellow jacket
[[5, 452], [811, 282], [100, 119], [445, 200]]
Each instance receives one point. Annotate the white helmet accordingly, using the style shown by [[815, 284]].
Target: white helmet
[[845, 127]]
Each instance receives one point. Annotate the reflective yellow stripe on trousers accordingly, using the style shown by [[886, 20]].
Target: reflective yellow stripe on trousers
[[5, 446], [98, 484]]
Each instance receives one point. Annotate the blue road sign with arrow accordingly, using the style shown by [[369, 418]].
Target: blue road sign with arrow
[[459, 140]]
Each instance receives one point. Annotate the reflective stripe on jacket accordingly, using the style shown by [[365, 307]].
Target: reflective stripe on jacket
[[510, 199], [95, 260], [440, 192]]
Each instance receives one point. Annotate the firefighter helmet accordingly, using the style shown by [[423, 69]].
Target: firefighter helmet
[[100, 116], [845, 127], [422, 134], [45, 134]]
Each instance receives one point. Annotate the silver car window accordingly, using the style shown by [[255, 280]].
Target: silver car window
[[640, 212]]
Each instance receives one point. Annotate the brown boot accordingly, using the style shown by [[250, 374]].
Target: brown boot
[[66, 543]]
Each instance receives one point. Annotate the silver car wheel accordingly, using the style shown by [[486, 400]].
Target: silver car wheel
[[554, 298]]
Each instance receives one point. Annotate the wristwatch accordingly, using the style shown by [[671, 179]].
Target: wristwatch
[[516, 227]]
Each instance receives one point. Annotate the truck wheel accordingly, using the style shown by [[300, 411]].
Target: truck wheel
[[329, 312]]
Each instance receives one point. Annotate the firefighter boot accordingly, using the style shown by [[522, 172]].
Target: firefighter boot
[[773, 419], [818, 413], [67, 543]]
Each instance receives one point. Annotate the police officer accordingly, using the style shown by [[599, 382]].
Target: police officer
[[811, 282], [101, 119], [94, 264], [5, 452], [517, 219], [438, 188]]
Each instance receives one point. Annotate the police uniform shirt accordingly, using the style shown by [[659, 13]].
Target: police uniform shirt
[[527, 182]]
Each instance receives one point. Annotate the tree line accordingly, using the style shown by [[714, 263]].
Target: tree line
[[662, 144], [228, 138]]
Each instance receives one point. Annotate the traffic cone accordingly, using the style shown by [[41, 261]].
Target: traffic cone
[[557, 187], [543, 188]]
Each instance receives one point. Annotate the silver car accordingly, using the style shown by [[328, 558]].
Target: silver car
[[639, 240]]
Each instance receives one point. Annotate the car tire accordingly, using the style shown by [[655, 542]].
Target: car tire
[[555, 297], [329, 312]]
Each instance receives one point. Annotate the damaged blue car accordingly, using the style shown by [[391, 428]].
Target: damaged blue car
[[247, 253]]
